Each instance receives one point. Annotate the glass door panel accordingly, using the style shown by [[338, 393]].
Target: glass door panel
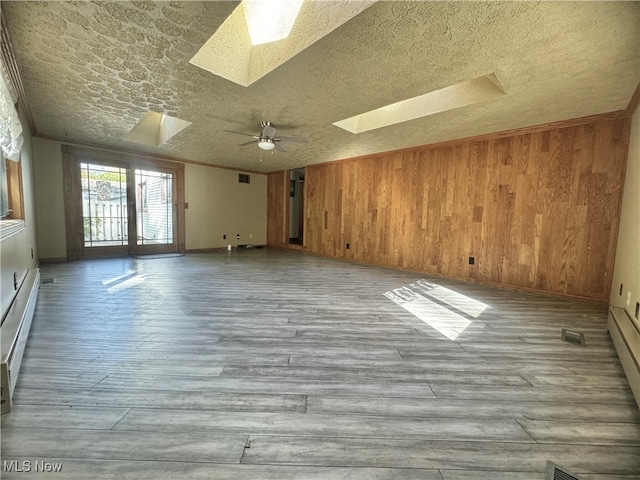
[[104, 205], [154, 208]]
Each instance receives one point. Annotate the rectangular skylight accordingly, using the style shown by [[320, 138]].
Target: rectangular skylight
[[270, 20], [154, 129], [232, 52], [455, 96]]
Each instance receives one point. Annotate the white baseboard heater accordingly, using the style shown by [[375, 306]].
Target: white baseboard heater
[[13, 335], [626, 338]]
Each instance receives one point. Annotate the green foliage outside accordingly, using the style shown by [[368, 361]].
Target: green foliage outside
[[107, 176]]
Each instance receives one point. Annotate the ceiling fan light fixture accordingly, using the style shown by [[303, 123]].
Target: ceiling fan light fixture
[[266, 144]]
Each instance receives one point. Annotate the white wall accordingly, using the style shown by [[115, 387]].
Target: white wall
[[627, 266], [49, 199], [219, 205], [15, 250]]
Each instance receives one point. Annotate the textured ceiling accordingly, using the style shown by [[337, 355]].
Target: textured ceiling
[[92, 70]]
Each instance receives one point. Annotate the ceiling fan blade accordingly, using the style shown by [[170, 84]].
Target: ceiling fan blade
[[279, 146], [242, 133], [293, 139], [248, 143]]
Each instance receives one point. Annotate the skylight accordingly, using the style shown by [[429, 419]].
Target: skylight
[[270, 20], [455, 96], [233, 53], [154, 129]]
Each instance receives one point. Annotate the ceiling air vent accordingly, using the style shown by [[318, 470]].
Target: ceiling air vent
[[554, 472]]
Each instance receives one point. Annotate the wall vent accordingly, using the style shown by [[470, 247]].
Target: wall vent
[[244, 178], [554, 472]]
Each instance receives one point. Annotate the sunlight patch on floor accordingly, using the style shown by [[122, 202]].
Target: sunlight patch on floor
[[129, 283], [108, 281], [457, 300], [413, 298]]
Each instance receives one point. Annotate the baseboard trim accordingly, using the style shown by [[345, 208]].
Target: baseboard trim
[[14, 333], [219, 249], [626, 339], [54, 260]]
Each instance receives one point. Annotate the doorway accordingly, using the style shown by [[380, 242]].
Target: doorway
[[296, 206], [113, 208]]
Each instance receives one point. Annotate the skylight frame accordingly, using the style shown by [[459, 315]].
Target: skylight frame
[[154, 129], [463, 94]]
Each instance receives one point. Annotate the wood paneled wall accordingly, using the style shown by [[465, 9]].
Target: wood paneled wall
[[277, 212], [536, 210]]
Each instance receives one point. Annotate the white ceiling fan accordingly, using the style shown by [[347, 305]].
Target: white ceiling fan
[[267, 139]]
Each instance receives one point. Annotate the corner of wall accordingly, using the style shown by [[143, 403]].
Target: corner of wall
[[625, 290]]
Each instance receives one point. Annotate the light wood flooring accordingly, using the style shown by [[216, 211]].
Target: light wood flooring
[[276, 365]]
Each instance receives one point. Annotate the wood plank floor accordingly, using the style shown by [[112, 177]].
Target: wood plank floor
[[275, 365]]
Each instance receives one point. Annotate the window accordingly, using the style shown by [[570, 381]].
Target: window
[[11, 205], [11, 139], [11, 190], [5, 209]]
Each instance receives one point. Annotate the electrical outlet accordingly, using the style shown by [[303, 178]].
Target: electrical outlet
[[251, 235], [347, 246], [238, 236]]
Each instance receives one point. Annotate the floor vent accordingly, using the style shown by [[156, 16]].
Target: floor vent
[[48, 280], [554, 472], [570, 336]]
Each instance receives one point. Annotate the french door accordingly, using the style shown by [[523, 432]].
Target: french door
[[154, 212], [122, 208]]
